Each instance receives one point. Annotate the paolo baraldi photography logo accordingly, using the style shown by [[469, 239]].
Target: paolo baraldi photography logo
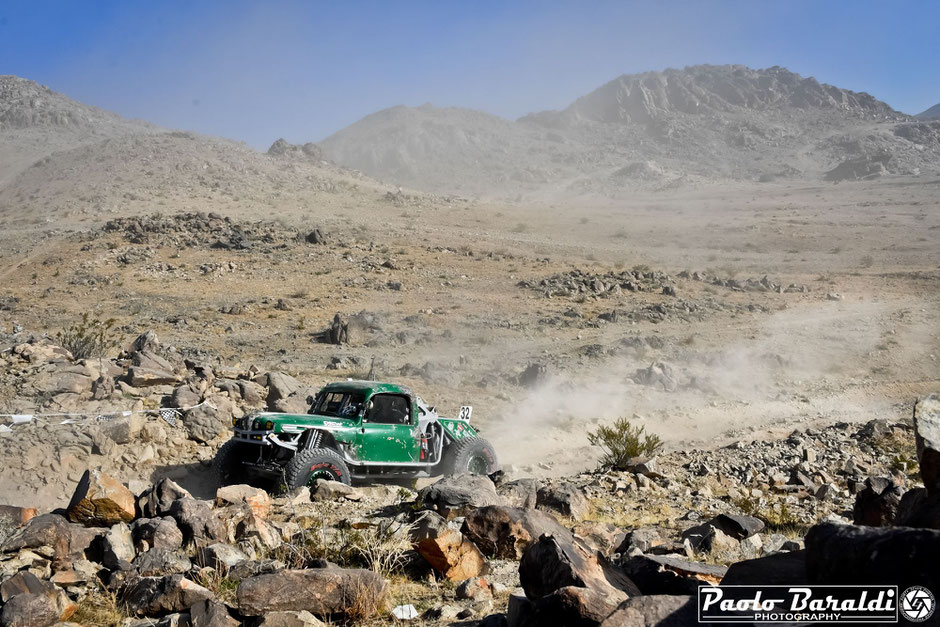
[[871, 604]]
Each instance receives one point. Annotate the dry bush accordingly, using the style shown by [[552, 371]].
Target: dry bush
[[622, 442], [101, 608], [92, 337]]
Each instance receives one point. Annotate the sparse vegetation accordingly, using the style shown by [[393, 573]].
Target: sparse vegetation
[[622, 442], [92, 337]]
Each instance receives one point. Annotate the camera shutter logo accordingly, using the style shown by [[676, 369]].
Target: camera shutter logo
[[917, 604]]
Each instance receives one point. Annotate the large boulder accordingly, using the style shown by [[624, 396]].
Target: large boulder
[[506, 532], [919, 509], [663, 610], [572, 606], [520, 493], [354, 593], [737, 527], [255, 498], [160, 562], [205, 423], [155, 596], [197, 521], [449, 552], [100, 500], [117, 546], [458, 495], [280, 387], [49, 530], [222, 556], [846, 554], [125, 429], [156, 501], [17, 516], [927, 438], [564, 498], [554, 562], [876, 505], [29, 601], [142, 377], [157, 533], [656, 574], [780, 569], [598, 536], [209, 613]]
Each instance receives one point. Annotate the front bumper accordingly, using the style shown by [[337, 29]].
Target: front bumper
[[253, 436]]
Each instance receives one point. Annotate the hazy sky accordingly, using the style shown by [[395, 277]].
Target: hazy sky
[[256, 71]]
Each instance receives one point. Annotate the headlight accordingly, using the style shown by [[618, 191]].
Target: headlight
[[269, 425], [234, 421]]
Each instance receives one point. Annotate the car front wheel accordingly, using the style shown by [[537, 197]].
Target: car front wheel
[[309, 465]]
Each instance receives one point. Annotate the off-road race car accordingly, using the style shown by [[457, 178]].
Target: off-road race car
[[353, 430]]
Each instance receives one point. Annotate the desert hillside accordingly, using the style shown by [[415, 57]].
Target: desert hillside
[[698, 126]]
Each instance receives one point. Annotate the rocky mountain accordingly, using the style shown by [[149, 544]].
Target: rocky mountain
[[657, 129], [61, 159], [933, 113]]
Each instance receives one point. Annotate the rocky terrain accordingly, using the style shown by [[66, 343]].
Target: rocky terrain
[[692, 127], [626, 546], [774, 334]]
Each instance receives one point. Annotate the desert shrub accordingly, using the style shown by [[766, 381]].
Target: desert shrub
[[623, 441], [92, 337]]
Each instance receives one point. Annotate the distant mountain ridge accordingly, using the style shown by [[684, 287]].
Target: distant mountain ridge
[[704, 89], [933, 113], [698, 125]]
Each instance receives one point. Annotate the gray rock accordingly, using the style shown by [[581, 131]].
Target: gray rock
[[655, 574], [221, 556], [458, 495], [520, 493], [160, 562], [157, 533], [506, 532], [552, 563], [877, 504], [157, 501], [643, 539], [662, 611], [154, 596], [788, 568], [117, 546], [565, 498], [339, 591], [205, 423], [210, 613]]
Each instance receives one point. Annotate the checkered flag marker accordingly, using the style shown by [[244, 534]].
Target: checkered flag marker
[[169, 415]]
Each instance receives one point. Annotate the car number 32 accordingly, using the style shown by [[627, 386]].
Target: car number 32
[[465, 412]]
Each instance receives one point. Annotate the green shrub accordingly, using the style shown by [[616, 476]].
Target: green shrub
[[622, 441], [91, 337]]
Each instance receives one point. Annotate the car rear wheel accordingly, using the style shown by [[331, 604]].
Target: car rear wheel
[[474, 455], [228, 464], [309, 465]]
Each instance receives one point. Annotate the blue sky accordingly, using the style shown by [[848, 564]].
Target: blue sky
[[256, 71]]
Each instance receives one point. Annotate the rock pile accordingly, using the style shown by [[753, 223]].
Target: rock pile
[[207, 230], [578, 282]]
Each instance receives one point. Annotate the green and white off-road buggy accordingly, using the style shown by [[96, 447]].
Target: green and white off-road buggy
[[353, 430]]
